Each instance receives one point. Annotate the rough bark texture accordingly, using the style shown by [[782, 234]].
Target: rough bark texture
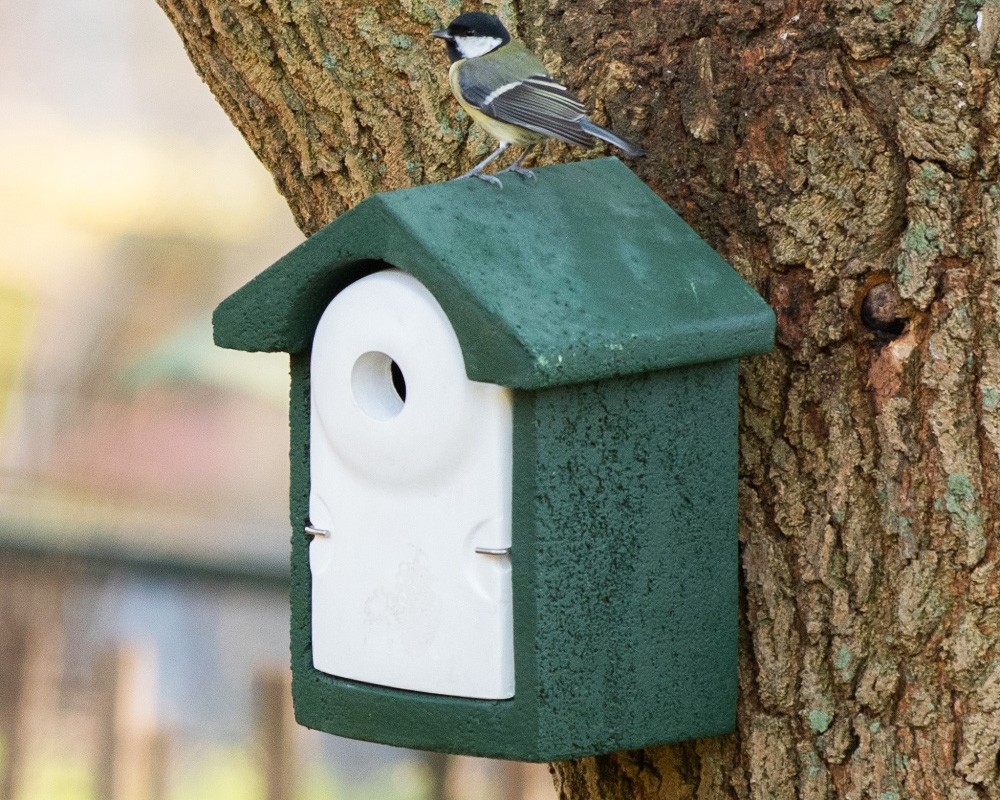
[[842, 154]]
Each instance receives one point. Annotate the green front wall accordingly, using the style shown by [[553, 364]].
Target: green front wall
[[625, 578]]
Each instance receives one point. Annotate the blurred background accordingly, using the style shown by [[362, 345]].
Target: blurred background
[[143, 472]]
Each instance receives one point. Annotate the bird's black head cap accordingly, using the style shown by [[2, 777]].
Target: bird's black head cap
[[472, 24], [476, 23]]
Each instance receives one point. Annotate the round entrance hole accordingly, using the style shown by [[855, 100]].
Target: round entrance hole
[[378, 385]]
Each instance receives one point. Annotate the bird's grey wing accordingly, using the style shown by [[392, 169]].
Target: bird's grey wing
[[538, 103], [543, 105]]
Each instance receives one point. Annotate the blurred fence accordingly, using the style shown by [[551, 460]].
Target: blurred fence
[[81, 711]]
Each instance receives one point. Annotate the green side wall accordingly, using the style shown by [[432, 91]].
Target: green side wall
[[634, 489], [625, 578]]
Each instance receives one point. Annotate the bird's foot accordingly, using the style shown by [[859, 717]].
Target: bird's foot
[[493, 179], [527, 173]]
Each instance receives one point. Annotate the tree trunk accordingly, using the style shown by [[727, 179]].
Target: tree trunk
[[842, 155]]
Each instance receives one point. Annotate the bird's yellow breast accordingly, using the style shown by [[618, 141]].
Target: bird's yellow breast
[[502, 131]]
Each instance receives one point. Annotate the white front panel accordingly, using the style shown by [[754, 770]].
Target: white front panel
[[409, 482]]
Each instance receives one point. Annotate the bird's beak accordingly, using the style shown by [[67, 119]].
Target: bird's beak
[[442, 34]]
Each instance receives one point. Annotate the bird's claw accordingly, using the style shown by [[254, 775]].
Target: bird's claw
[[527, 173], [493, 179]]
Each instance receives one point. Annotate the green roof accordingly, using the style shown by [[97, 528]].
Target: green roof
[[582, 275]]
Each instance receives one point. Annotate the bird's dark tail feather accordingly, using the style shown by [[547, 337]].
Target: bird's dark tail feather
[[630, 148]]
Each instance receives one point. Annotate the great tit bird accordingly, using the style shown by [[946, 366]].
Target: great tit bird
[[508, 92]]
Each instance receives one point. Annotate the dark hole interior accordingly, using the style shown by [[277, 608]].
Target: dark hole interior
[[398, 381], [880, 311]]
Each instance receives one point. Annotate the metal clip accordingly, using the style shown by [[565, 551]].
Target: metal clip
[[494, 551], [311, 531]]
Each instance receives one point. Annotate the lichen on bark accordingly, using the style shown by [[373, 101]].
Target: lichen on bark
[[843, 155]]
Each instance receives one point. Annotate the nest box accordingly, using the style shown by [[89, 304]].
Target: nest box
[[513, 461]]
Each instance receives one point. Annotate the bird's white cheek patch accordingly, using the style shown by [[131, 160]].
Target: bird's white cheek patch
[[472, 46]]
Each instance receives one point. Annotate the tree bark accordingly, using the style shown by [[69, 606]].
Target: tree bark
[[843, 156]]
